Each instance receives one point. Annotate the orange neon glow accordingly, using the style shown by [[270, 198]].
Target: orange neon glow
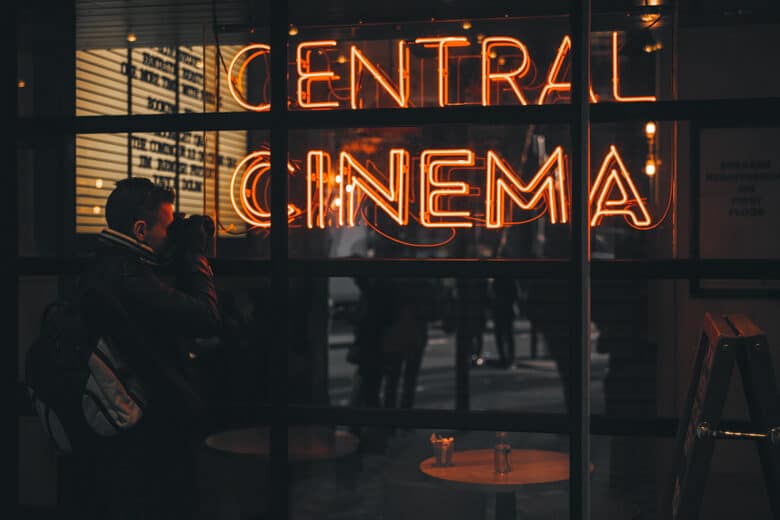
[[509, 77], [317, 171], [616, 77], [400, 96], [620, 178], [546, 192], [306, 77], [444, 43], [397, 191], [251, 168], [430, 162], [549, 184], [552, 85], [257, 49]]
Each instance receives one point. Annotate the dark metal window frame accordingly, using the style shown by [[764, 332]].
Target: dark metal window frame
[[279, 414]]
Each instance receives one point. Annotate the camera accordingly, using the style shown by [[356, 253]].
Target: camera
[[188, 235]]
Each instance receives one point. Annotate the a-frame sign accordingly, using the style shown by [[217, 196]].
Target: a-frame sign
[[725, 341]]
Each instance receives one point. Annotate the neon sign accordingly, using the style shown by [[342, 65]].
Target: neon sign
[[494, 51], [449, 188], [334, 198]]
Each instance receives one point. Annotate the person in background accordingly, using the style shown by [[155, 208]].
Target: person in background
[[406, 339], [471, 316], [504, 293]]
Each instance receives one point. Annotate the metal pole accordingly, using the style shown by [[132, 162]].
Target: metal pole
[[579, 279], [129, 71], [279, 284], [11, 279], [177, 100]]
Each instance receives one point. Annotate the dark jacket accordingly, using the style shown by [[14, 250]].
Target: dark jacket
[[125, 296]]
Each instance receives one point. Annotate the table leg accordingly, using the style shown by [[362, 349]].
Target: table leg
[[505, 506]]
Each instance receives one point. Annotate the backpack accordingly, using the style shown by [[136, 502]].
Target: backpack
[[79, 385]]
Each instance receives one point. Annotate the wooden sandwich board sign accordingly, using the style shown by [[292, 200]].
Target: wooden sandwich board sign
[[724, 341]]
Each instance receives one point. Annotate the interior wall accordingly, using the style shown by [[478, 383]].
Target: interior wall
[[717, 62]]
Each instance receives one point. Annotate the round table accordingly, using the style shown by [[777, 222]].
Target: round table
[[473, 470], [242, 457], [304, 444]]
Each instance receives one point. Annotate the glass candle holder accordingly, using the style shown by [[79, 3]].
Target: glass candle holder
[[502, 454]]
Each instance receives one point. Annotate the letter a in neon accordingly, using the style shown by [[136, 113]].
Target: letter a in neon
[[631, 207]]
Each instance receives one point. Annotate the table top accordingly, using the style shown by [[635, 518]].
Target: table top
[[474, 469], [304, 444]]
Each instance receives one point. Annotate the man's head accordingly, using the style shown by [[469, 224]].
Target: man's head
[[141, 209]]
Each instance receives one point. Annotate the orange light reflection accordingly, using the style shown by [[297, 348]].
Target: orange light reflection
[[616, 77], [260, 49], [549, 184], [430, 162], [621, 179], [509, 77], [400, 96], [306, 77], [443, 43]]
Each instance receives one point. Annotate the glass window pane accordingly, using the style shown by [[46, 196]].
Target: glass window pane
[[472, 343], [633, 190], [200, 166], [166, 60], [447, 192]]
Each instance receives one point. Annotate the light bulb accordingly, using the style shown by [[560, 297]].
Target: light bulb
[[650, 128], [650, 168]]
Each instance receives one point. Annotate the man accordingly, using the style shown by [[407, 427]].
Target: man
[[148, 471]]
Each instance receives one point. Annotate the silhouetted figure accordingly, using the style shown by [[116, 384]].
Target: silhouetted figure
[[504, 292], [471, 302], [406, 338], [373, 319]]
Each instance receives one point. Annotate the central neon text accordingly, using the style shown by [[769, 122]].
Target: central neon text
[[335, 198]]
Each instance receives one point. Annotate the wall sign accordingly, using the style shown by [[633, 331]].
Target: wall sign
[[735, 196]]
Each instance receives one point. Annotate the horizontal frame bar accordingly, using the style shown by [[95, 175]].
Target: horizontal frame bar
[[240, 415], [690, 269], [759, 110]]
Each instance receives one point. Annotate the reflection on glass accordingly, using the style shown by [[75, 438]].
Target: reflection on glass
[[426, 343]]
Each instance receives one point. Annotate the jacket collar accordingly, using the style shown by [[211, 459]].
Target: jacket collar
[[130, 244]]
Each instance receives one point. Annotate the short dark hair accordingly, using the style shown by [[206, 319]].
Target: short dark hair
[[137, 198]]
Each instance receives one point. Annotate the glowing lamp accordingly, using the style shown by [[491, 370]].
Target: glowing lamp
[[650, 168]]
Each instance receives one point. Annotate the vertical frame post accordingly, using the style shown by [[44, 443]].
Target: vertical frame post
[[10, 276], [279, 286], [579, 278]]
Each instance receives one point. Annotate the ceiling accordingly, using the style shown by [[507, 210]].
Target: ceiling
[[106, 23]]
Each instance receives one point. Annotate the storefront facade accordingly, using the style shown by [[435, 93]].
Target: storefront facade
[[606, 159]]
